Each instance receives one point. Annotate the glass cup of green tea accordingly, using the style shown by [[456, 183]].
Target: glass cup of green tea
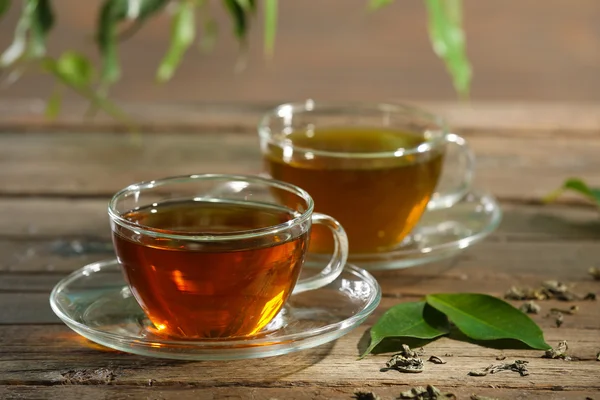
[[217, 256], [374, 167]]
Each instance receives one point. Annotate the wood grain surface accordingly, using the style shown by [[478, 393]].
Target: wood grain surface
[[55, 182]]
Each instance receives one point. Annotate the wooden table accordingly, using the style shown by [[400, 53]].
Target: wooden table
[[55, 179]]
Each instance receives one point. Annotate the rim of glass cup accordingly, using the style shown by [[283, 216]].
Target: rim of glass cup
[[310, 106], [116, 217]]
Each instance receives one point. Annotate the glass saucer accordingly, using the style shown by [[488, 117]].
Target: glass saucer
[[440, 234], [96, 302]]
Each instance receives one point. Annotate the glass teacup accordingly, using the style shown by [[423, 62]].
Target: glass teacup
[[217, 256], [374, 167]]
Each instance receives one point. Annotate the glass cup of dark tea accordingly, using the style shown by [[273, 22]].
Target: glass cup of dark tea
[[374, 167], [217, 256]]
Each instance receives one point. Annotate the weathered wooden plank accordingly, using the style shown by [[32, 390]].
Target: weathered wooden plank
[[27, 359], [502, 261], [154, 392], [63, 218], [524, 119], [98, 164], [489, 267]]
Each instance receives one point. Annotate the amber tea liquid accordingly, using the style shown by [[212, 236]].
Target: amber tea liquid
[[378, 201], [210, 290]]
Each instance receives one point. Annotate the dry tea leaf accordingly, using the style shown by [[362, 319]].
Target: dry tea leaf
[[590, 296], [560, 351], [559, 291], [559, 320], [428, 393], [481, 372], [519, 366], [406, 361], [516, 293], [595, 273], [530, 308], [500, 358], [477, 397], [598, 356], [366, 396], [436, 360], [572, 310]]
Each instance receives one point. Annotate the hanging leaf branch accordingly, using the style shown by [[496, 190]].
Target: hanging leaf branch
[[118, 20]]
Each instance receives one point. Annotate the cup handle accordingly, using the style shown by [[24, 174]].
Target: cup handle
[[338, 259], [450, 197]]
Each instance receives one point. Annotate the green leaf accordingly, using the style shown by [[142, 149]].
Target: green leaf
[[42, 21], [270, 25], [75, 69], [183, 31], [247, 5], [4, 7], [54, 103], [240, 25], [139, 11], [29, 41], [375, 5], [448, 40], [414, 320], [209, 35], [484, 317], [112, 12], [578, 186], [18, 47]]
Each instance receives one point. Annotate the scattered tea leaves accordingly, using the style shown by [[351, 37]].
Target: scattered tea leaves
[[577, 186], [558, 290], [414, 319], [519, 366], [570, 311], [428, 393], [530, 308], [517, 293], [595, 273], [560, 351], [366, 396], [436, 360], [406, 361], [484, 317], [551, 289]]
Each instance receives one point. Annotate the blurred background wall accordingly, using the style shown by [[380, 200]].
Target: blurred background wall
[[335, 49]]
